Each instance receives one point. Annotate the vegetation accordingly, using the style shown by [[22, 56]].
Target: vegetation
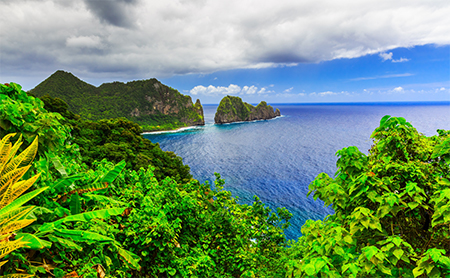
[[149, 103], [392, 212], [233, 109], [93, 214]]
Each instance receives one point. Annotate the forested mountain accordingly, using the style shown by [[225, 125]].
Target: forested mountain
[[149, 103]]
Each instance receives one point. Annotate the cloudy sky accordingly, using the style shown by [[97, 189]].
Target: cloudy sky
[[274, 50]]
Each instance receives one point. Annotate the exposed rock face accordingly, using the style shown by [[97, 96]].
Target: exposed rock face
[[233, 109], [146, 102]]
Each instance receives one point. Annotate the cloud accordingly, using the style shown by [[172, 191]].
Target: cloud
[[84, 41], [114, 12], [383, 76], [142, 39], [401, 60], [220, 90], [388, 56], [398, 90], [288, 90]]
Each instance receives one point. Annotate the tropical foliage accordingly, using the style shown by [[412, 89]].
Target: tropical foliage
[[392, 212], [147, 102], [14, 216], [106, 202]]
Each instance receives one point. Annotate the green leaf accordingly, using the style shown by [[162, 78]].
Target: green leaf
[[22, 200], [398, 253], [86, 216], [78, 235], [65, 242], [310, 270], [64, 183], [75, 204], [34, 242], [112, 175]]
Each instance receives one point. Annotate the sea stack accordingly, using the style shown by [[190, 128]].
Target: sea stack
[[233, 109]]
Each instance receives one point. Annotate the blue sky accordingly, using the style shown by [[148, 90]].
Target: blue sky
[[277, 51], [420, 73]]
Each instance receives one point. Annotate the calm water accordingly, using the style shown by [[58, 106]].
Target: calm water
[[277, 159]]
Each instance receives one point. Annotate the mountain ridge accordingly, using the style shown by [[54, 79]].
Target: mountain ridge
[[149, 103]]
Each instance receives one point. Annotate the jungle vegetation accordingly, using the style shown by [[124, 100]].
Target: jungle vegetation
[[70, 207], [152, 105]]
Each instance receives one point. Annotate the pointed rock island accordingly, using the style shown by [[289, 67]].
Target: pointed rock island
[[232, 109]]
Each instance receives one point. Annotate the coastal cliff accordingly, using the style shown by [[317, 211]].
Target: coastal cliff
[[233, 109], [149, 103]]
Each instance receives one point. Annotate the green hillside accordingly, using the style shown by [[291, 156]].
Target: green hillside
[[149, 103]]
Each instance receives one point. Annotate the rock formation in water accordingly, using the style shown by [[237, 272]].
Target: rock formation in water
[[233, 109]]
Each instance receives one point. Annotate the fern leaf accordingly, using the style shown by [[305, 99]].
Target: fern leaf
[[22, 200], [11, 177], [16, 225], [22, 186], [5, 147], [18, 276], [15, 148], [7, 247], [24, 158], [14, 215]]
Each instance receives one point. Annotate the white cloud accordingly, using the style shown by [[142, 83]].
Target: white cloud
[[288, 90], [328, 93], [143, 39], [249, 90], [84, 41], [220, 90], [386, 56], [383, 76], [398, 90], [401, 60]]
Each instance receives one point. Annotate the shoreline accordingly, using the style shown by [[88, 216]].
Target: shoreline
[[181, 129], [173, 130]]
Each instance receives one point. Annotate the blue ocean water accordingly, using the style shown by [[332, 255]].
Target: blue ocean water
[[277, 159]]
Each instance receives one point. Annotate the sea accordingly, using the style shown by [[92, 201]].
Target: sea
[[277, 159]]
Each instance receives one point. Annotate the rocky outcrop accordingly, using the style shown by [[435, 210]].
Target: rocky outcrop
[[233, 109], [149, 103]]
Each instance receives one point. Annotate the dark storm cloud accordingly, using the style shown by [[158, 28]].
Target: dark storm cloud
[[115, 12]]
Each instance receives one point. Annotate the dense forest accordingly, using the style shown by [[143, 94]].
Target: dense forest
[[152, 105], [92, 198]]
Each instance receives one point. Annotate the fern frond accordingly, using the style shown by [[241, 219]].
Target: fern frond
[[11, 178], [14, 215], [24, 158], [15, 148], [22, 186], [16, 225], [5, 147], [7, 247]]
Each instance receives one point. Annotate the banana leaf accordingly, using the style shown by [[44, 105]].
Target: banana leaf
[[112, 175], [86, 216], [34, 242]]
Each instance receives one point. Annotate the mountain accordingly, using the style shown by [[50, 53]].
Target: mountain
[[233, 109], [149, 103]]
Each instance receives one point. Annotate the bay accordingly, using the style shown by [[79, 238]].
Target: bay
[[277, 159]]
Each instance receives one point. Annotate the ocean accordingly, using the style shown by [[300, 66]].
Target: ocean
[[277, 159]]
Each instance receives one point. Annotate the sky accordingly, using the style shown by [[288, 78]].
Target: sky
[[280, 51]]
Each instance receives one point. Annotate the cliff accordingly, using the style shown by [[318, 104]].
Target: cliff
[[233, 109], [149, 103]]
